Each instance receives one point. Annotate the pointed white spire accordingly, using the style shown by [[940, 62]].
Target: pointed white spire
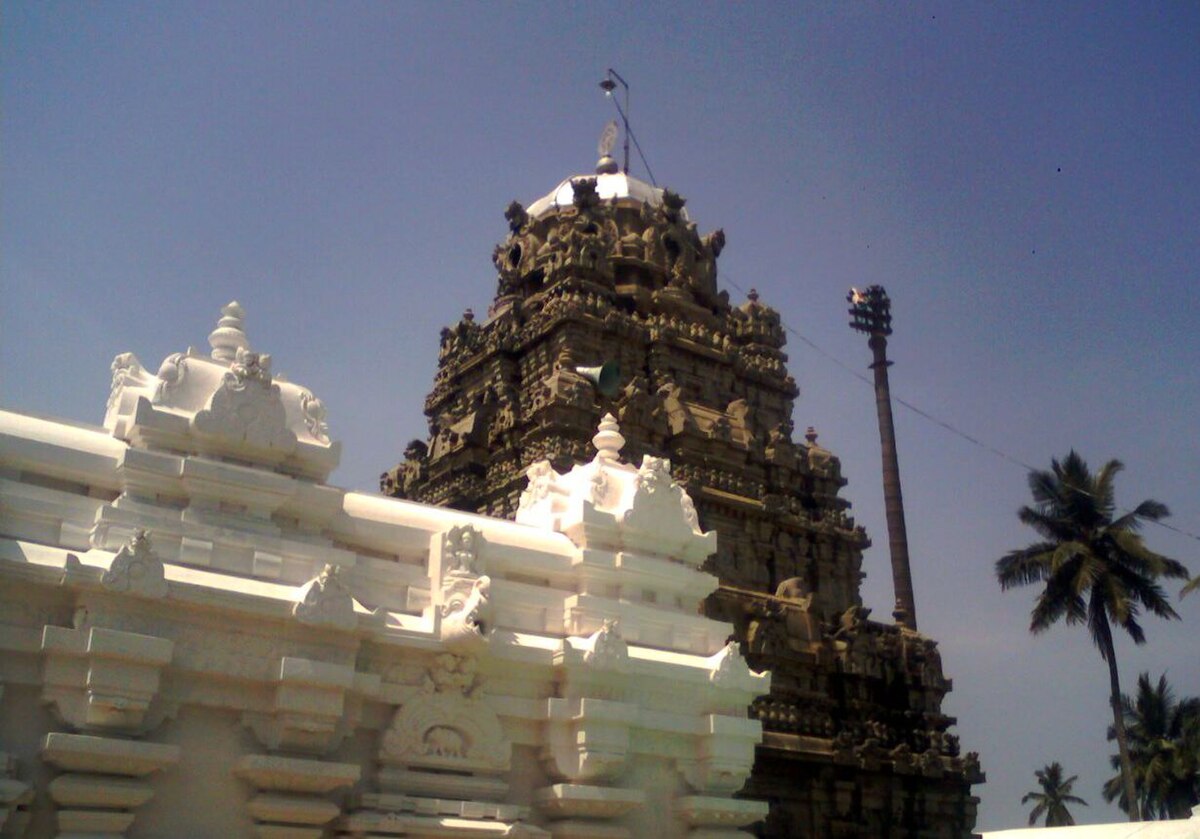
[[608, 440], [229, 335]]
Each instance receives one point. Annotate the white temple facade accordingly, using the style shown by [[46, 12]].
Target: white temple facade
[[199, 637]]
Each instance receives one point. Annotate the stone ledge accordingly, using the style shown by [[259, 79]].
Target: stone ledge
[[582, 800], [292, 774], [78, 790], [87, 753], [704, 810]]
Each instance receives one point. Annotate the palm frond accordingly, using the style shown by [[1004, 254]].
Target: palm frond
[[1148, 510], [1102, 484], [1048, 523], [1024, 566]]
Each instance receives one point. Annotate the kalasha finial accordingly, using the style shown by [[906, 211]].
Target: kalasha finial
[[607, 164], [608, 440], [229, 336]]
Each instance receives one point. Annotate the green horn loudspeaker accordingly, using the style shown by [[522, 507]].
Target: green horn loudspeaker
[[606, 378]]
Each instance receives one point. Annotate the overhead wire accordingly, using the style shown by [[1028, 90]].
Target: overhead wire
[[1016, 461], [975, 441]]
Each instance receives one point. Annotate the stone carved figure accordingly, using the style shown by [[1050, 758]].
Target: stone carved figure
[[170, 375], [765, 636], [136, 569], [453, 674], [608, 649], [730, 665], [516, 216], [585, 195], [654, 475], [467, 613], [850, 623], [541, 482], [656, 493], [460, 550], [126, 370], [327, 601], [314, 413], [249, 367], [795, 589], [599, 487], [445, 741]]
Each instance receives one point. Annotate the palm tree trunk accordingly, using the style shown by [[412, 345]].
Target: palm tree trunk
[[1119, 722]]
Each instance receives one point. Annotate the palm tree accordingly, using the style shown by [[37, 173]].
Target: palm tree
[[1095, 566], [1164, 747], [1053, 798]]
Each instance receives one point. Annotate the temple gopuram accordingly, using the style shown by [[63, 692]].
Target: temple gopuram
[[609, 269]]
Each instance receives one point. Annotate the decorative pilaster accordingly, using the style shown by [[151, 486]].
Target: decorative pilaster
[[588, 739], [103, 781], [309, 716], [15, 796], [104, 681], [291, 803]]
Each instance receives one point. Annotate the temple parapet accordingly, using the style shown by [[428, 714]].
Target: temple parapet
[[227, 404], [193, 622]]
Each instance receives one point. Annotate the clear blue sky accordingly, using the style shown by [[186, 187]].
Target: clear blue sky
[[1023, 177]]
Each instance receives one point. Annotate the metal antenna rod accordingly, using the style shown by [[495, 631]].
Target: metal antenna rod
[[608, 85]]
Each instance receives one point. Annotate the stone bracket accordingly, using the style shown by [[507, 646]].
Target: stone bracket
[[587, 739], [103, 679], [724, 754], [309, 707]]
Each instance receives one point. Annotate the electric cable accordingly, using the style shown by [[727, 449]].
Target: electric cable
[[934, 419]]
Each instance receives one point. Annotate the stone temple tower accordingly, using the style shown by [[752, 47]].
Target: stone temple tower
[[609, 268]]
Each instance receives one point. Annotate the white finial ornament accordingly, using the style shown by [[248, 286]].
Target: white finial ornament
[[229, 336], [608, 440], [607, 165]]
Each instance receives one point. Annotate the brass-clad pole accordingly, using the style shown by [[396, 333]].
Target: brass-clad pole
[[871, 313]]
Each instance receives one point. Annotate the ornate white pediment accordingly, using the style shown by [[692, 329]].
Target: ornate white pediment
[[609, 503], [247, 409], [227, 405], [448, 726]]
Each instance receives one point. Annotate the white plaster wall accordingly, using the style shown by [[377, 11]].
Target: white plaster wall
[[199, 638], [200, 798]]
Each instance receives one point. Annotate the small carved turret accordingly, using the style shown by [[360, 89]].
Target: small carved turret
[[229, 336]]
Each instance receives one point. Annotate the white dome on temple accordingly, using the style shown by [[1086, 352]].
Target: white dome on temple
[[614, 186]]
